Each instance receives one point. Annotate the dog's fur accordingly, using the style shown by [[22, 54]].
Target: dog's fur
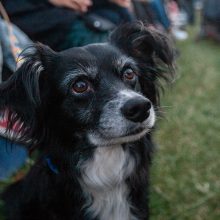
[[101, 158]]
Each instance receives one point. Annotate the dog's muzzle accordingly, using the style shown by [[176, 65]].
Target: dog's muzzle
[[126, 118]]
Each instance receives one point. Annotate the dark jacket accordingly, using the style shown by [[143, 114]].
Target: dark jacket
[[42, 21]]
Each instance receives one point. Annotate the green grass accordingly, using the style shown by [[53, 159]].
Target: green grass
[[185, 174]]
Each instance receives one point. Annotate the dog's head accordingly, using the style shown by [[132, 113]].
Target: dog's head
[[104, 92]]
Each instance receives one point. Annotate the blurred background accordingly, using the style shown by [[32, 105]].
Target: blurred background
[[185, 177]]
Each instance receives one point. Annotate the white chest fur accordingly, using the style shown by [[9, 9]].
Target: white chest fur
[[103, 182]]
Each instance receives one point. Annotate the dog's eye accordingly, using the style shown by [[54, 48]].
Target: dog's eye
[[129, 74], [80, 86]]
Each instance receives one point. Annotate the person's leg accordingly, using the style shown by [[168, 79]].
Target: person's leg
[[160, 12], [12, 157], [188, 7], [191, 12]]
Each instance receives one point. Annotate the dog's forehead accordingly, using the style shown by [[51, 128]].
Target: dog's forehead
[[96, 56]]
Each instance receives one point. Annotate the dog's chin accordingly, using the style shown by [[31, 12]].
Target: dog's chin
[[98, 139]]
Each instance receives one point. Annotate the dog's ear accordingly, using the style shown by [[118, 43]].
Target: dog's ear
[[153, 52], [143, 42], [20, 95]]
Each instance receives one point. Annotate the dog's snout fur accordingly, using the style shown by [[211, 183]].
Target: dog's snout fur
[[117, 122]]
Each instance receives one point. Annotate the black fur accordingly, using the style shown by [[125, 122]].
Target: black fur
[[56, 121]]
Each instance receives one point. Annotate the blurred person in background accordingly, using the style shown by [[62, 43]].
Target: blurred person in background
[[178, 20], [187, 7], [62, 24], [163, 15], [152, 12], [210, 26]]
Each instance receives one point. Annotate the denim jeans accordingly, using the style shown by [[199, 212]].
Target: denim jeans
[[12, 157], [160, 12]]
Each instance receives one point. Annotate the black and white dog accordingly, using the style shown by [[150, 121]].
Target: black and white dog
[[90, 111]]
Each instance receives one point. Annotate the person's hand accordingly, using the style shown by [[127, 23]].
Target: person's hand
[[76, 5], [122, 3]]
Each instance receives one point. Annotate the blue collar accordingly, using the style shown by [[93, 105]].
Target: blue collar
[[51, 166]]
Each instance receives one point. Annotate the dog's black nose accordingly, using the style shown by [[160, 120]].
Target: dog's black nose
[[136, 109]]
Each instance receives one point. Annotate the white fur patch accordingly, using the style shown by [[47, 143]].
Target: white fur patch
[[103, 182]]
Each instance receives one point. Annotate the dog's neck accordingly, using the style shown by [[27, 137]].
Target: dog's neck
[[103, 172], [104, 183]]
